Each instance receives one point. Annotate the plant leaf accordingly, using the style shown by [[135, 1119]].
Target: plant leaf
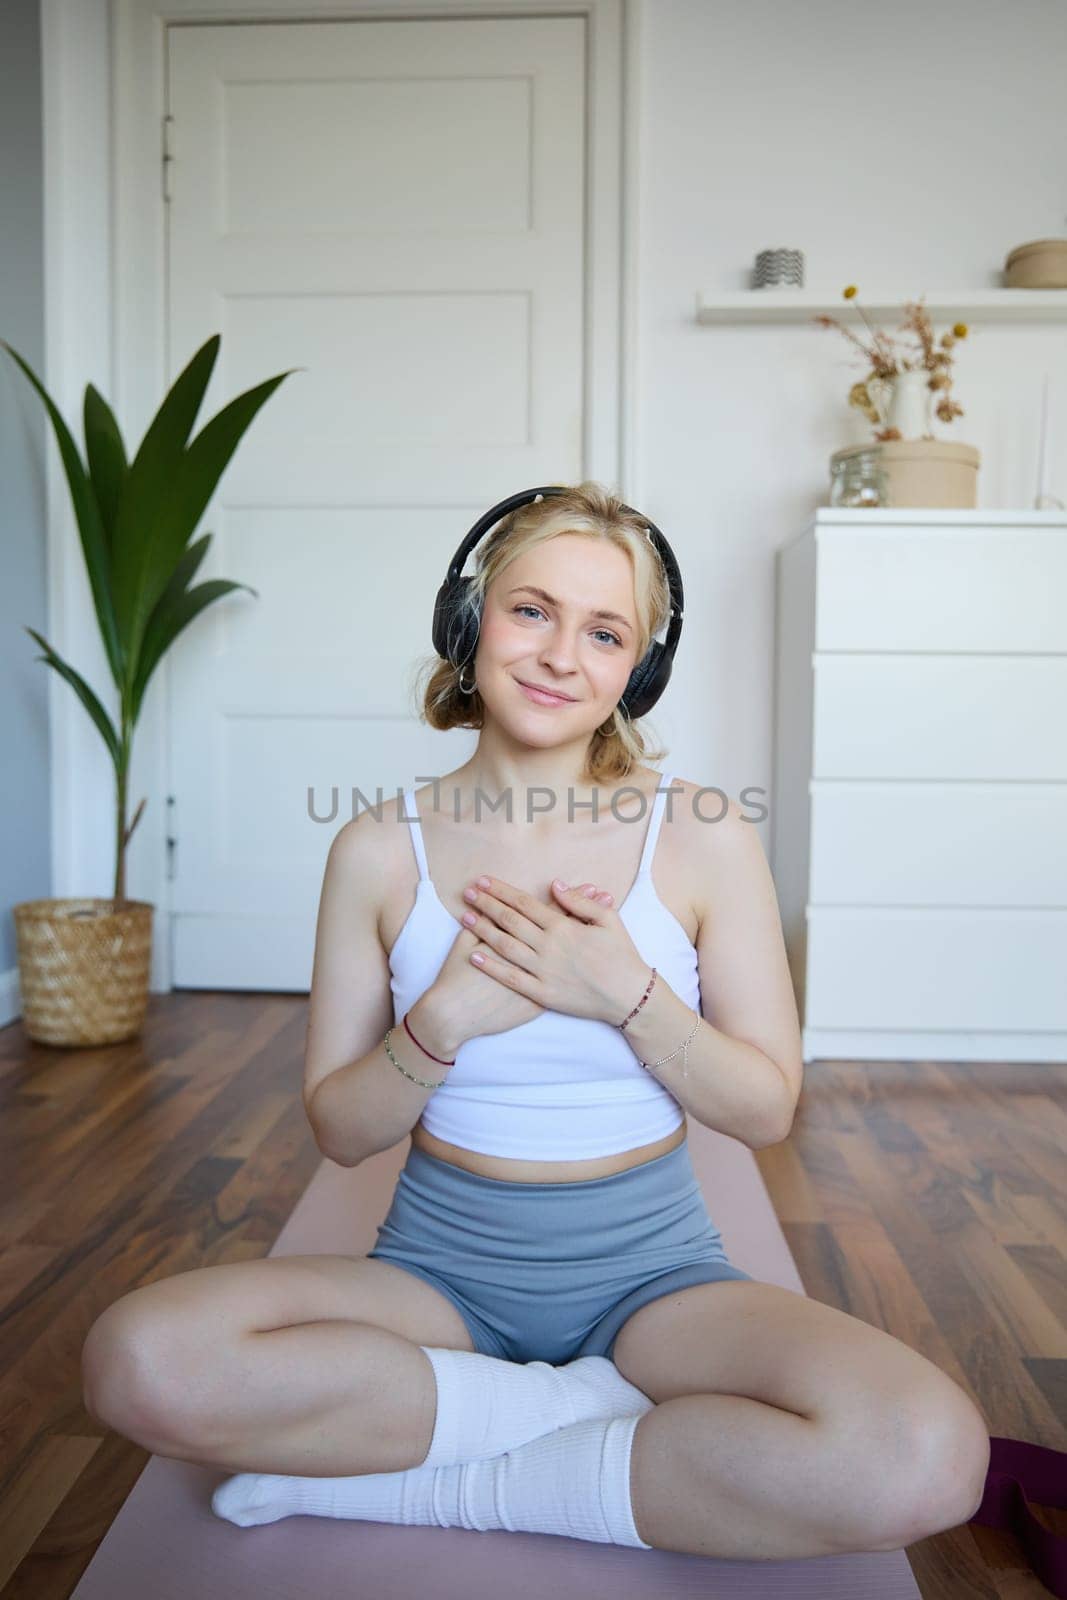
[[86, 695], [106, 455], [87, 512], [145, 490], [187, 492], [166, 624], [156, 634], [185, 569]]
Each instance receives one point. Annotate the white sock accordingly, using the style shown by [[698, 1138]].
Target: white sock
[[573, 1481], [486, 1405]]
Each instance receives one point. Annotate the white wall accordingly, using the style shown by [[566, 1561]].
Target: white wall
[[910, 146], [25, 868], [903, 145]]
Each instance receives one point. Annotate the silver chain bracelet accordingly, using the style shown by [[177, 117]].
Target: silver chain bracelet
[[683, 1047]]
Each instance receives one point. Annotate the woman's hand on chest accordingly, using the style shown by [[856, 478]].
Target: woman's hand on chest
[[574, 956]]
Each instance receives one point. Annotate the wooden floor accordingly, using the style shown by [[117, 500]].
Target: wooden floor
[[928, 1200]]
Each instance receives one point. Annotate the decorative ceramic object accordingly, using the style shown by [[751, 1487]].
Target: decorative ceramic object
[[779, 269], [1041, 264], [909, 405]]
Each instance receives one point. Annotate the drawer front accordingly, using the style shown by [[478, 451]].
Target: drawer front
[[949, 717], [933, 844], [929, 969], [942, 589]]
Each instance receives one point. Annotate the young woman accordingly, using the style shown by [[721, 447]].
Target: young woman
[[548, 1335]]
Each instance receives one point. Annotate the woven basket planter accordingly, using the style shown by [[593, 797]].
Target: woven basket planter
[[83, 968]]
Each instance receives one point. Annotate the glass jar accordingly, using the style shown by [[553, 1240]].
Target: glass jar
[[857, 478]]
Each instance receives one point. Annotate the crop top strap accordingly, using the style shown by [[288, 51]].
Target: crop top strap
[[655, 821], [414, 821]]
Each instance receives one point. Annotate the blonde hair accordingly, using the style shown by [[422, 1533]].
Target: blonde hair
[[591, 511]]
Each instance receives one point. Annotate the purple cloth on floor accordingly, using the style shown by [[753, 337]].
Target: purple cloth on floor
[[1019, 1471]]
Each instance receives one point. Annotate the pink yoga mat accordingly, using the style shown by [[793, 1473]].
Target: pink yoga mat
[[167, 1544]]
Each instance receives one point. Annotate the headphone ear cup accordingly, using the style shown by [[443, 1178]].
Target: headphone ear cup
[[647, 681], [455, 630], [442, 609]]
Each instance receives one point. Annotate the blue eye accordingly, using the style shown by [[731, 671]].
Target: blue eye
[[526, 606]]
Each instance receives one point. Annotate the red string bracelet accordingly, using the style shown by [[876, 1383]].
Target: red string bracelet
[[423, 1048]]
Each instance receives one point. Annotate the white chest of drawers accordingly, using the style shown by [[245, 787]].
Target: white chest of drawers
[[919, 804]]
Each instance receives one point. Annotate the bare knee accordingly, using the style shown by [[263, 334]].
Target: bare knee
[[131, 1379], [928, 1456], [952, 1443]]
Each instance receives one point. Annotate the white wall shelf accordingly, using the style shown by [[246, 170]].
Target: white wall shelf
[[798, 305]]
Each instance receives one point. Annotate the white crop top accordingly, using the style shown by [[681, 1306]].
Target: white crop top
[[558, 1087]]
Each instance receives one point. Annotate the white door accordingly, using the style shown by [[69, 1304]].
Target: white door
[[396, 208]]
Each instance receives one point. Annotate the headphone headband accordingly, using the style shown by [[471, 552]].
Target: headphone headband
[[456, 640]]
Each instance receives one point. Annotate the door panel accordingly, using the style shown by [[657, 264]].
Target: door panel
[[396, 209]]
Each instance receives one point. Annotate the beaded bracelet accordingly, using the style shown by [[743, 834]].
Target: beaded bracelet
[[684, 1046], [422, 1081], [641, 1002]]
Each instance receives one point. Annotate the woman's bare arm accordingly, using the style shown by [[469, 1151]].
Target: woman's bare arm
[[356, 1101], [745, 1064]]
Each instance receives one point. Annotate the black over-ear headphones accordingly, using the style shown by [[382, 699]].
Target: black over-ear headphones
[[455, 629]]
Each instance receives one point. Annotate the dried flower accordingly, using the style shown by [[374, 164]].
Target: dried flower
[[887, 362], [859, 397], [879, 353]]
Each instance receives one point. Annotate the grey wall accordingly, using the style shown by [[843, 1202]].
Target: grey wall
[[25, 859]]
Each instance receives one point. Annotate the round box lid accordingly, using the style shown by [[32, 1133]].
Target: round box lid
[[1021, 251], [912, 450]]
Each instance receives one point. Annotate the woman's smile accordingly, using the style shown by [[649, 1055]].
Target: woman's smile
[[544, 697]]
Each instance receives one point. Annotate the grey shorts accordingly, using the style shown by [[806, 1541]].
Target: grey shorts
[[551, 1271]]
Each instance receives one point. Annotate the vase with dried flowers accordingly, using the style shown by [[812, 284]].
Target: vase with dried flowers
[[899, 392], [899, 389]]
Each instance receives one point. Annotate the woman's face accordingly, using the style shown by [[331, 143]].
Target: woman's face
[[558, 643]]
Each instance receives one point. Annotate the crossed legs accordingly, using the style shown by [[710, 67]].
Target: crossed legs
[[778, 1427]]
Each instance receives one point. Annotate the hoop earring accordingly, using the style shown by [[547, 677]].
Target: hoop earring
[[607, 727], [463, 687]]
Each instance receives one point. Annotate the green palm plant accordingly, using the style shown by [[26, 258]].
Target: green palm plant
[[135, 519]]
